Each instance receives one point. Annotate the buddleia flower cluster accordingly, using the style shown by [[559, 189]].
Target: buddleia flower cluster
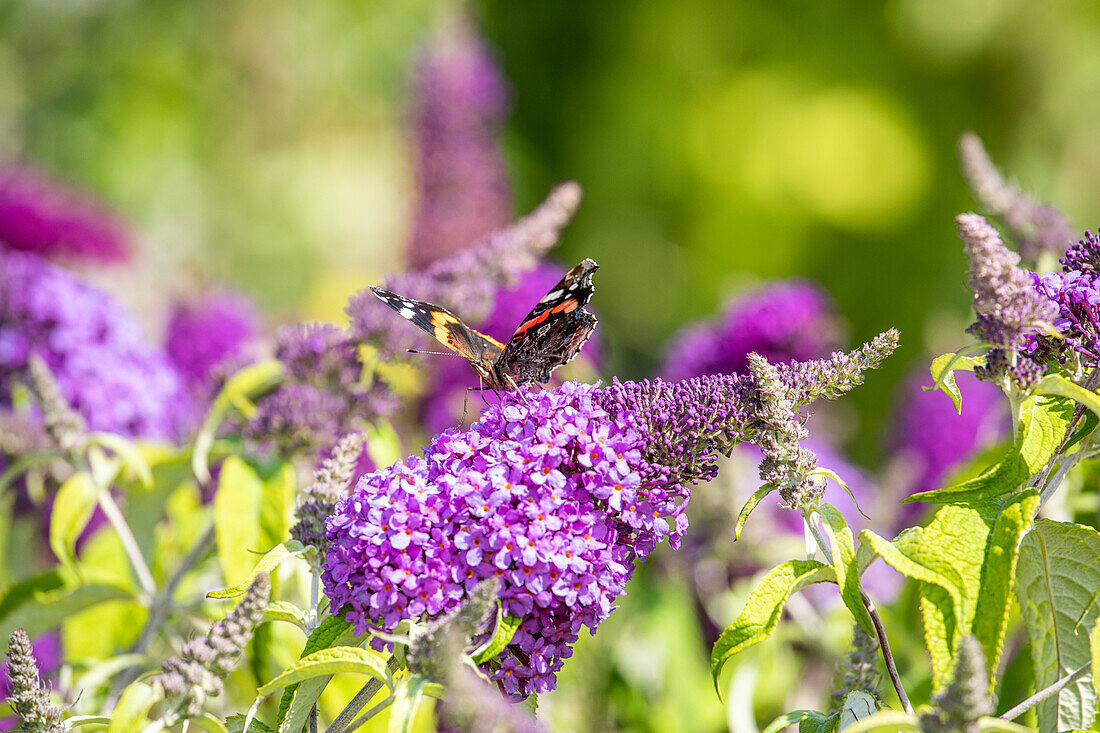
[[1010, 309], [28, 699], [105, 365], [558, 493], [1075, 292]]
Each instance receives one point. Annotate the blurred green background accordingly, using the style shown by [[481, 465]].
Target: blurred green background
[[267, 143]]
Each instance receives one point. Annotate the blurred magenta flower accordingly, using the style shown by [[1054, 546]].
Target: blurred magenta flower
[[208, 332], [782, 321], [931, 438], [44, 217], [104, 364], [461, 180], [442, 406]]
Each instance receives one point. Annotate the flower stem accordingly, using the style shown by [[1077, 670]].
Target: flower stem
[[343, 721], [129, 543], [814, 525], [1046, 692]]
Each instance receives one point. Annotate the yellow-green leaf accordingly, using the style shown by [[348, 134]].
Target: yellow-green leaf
[[331, 661], [267, 563], [237, 507], [763, 609], [943, 368], [845, 565], [746, 510], [129, 714], [73, 507]]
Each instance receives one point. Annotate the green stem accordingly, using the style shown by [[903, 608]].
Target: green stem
[[129, 543], [1046, 692]]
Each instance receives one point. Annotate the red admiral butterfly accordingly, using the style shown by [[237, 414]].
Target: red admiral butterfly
[[551, 334]]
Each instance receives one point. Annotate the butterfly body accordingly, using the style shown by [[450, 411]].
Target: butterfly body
[[551, 334]]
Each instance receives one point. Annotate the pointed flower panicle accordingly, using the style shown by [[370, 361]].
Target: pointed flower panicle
[[465, 282], [557, 493], [859, 670], [330, 484], [44, 218], [62, 423], [1036, 227], [791, 320], [1009, 307], [28, 699], [964, 701], [204, 662], [437, 646], [840, 373], [105, 366], [786, 464], [461, 180]]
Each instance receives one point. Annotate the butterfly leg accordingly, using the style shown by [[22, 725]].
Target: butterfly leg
[[516, 388]]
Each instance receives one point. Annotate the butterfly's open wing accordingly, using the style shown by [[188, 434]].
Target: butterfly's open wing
[[443, 325], [554, 331]]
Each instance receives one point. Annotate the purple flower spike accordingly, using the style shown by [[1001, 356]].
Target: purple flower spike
[[1009, 307], [1036, 227], [461, 181], [43, 217], [782, 321], [208, 333], [95, 348]]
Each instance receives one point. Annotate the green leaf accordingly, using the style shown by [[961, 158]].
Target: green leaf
[[277, 505], [1088, 424], [237, 507], [998, 573], [235, 724], [815, 722], [331, 661], [763, 608], [78, 721], [210, 723], [267, 563], [1056, 384], [947, 558], [1044, 420], [746, 510], [330, 632], [37, 611], [129, 455], [787, 719], [1094, 645], [239, 389], [506, 627], [73, 507], [383, 443], [943, 368], [286, 612], [1057, 572], [303, 696], [886, 721], [406, 702], [858, 705], [845, 565], [129, 714]]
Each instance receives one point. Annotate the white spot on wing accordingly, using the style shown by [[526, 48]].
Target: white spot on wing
[[406, 312], [551, 296]]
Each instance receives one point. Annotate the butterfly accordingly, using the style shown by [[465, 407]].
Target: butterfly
[[551, 334]]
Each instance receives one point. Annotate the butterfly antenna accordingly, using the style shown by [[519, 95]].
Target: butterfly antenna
[[436, 353]]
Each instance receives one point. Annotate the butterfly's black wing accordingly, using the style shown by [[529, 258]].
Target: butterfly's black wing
[[554, 331]]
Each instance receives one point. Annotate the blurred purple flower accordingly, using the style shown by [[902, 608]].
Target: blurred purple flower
[[556, 493], [41, 216], [323, 396], [461, 181], [1036, 227], [450, 377], [781, 321], [103, 362], [207, 333], [932, 438]]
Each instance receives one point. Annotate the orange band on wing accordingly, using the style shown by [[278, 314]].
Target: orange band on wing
[[567, 307]]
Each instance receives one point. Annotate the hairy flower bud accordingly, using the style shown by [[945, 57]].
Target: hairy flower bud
[[28, 699]]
